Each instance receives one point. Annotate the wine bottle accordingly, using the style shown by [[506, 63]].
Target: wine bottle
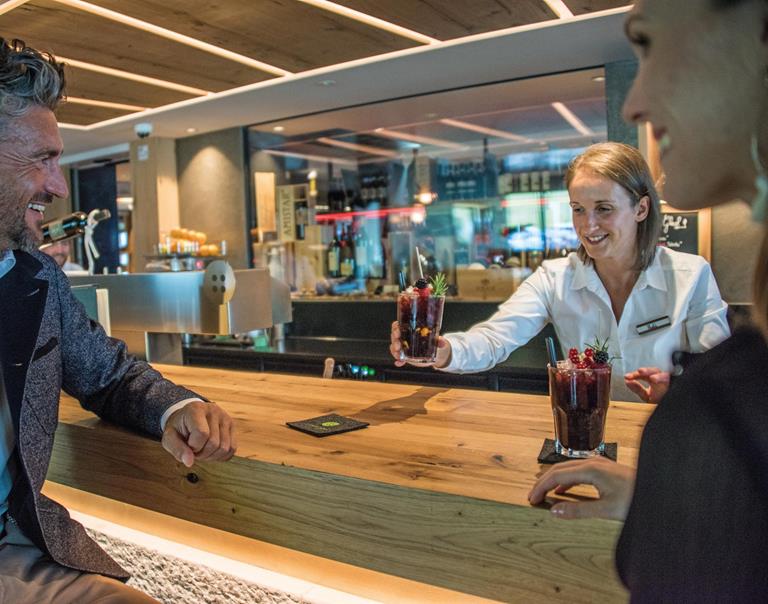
[[70, 225], [346, 254], [360, 242], [333, 257]]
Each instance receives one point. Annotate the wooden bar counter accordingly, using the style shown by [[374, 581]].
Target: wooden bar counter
[[433, 491]]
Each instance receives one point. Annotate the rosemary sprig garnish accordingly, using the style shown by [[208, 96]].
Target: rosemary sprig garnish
[[439, 284]]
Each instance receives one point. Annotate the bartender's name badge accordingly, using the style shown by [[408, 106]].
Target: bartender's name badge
[[653, 325]]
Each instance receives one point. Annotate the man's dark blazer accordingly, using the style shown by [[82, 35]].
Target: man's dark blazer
[[47, 343]]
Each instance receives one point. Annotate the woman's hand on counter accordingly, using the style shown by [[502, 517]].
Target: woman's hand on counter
[[657, 383], [613, 482], [200, 432], [395, 348]]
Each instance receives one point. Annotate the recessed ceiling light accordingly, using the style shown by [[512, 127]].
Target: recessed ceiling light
[[191, 130], [327, 83], [278, 128], [598, 78]]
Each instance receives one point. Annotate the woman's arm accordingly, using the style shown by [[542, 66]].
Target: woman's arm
[[518, 319]]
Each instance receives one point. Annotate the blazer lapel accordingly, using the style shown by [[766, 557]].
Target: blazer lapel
[[21, 311]]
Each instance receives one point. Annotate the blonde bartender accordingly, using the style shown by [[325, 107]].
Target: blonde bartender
[[645, 301]]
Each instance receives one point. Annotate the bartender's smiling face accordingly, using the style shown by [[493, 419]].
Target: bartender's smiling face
[[701, 88], [605, 218], [30, 176]]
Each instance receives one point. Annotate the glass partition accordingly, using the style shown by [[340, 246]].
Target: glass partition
[[473, 178]]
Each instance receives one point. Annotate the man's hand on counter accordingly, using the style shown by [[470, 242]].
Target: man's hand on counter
[[614, 482], [200, 432], [443, 350]]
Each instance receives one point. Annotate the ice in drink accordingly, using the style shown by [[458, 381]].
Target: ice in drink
[[580, 399], [419, 316]]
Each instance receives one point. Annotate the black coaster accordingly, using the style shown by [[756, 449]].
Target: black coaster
[[548, 454], [325, 425]]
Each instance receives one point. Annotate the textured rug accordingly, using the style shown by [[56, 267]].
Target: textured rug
[[175, 581]]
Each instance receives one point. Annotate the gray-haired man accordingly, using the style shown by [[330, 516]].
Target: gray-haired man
[[47, 344]]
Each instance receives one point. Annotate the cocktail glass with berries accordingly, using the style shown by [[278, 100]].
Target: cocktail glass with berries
[[580, 389], [420, 316]]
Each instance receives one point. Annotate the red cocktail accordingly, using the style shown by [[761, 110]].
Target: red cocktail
[[420, 315], [579, 405]]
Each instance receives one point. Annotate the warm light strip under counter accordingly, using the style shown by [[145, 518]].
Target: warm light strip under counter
[[172, 35], [372, 21], [128, 75]]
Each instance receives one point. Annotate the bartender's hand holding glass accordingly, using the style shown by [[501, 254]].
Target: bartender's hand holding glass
[[395, 348], [657, 383], [200, 432], [614, 482]]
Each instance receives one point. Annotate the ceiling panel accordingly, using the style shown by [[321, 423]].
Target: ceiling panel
[[78, 35], [284, 33], [448, 19], [83, 115], [90, 85], [581, 7]]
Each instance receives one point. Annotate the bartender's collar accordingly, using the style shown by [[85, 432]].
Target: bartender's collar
[[653, 276], [7, 262], [586, 276]]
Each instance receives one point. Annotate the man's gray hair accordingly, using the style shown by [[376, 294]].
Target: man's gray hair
[[28, 77]]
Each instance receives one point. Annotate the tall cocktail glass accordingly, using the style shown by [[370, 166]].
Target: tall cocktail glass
[[579, 405], [420, 317]]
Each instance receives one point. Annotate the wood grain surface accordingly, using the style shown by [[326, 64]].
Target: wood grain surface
[[434, 490]]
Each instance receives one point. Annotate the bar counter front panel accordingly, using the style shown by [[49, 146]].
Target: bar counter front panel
[[434, 490]]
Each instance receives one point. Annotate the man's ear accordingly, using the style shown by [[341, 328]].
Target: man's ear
[[642, 208]]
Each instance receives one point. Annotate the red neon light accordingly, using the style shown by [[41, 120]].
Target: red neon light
[[369, 213]]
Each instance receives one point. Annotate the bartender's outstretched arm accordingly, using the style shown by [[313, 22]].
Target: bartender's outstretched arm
[[443, 350], [200, 432], [613, 482]]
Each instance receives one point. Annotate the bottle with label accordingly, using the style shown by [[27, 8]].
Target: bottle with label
[[333, 257], [360, 242], [346, 254], [70, 226]]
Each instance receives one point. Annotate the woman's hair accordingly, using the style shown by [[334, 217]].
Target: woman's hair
[[624, 165], [27, 78]]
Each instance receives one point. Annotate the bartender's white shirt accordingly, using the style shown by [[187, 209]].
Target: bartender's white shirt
[[570, 295]]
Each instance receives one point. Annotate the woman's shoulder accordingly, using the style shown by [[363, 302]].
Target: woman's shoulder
[[565, 264], [679, 261]]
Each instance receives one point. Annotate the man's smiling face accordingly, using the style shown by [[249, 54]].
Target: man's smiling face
[[30, 176]]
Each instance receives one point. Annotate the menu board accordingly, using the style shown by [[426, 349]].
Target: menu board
[[680, 231]]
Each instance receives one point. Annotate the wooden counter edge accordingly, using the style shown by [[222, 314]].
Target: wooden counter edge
[[489, 549]]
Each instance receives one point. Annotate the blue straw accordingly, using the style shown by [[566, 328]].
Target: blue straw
[[551, 351]]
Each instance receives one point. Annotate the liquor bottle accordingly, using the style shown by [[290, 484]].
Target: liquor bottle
[[333, 256], [70, 226], [361, 252], [346, 254]]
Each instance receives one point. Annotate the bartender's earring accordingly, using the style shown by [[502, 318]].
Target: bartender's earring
[[760, 202]]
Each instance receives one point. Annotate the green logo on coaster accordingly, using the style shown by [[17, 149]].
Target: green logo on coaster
[[329, 424]]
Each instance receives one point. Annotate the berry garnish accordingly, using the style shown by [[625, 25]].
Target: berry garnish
[[595, 355], [421, 284]]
